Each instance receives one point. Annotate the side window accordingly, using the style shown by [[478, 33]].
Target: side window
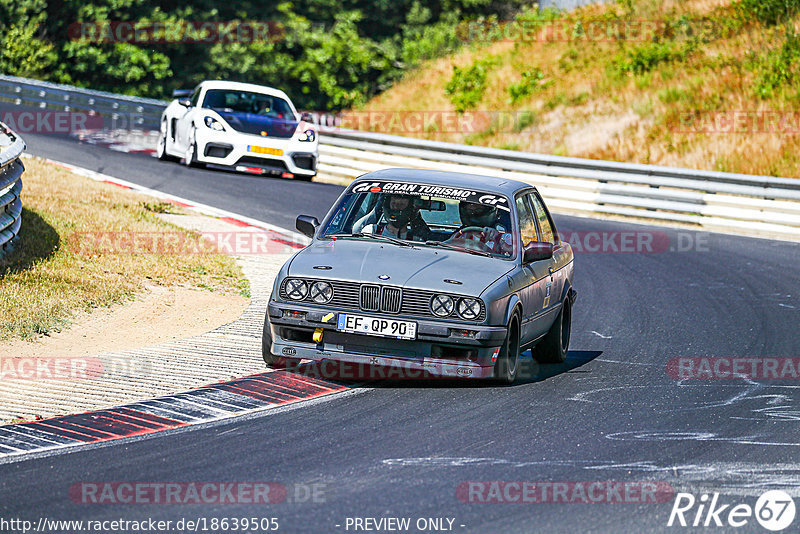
[[195, 97], [527, 226], [544, 220]]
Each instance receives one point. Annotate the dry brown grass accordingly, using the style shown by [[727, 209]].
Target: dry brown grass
[[591, 110], [46, 281]]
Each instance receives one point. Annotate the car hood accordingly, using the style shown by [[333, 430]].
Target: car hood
[[420, 267], [252, 123]]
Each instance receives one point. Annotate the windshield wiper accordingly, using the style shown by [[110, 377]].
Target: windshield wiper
[[456, 247], [394, 240]]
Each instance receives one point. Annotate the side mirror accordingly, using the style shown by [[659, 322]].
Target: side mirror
[[537, 251], [181, 93], [307, 225], [307, 117], [185, 102]]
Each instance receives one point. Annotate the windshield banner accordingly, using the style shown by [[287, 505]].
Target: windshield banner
[[429, 190]]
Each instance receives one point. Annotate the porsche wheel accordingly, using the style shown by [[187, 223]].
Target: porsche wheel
[[161, 146], [190, 156], [553, 347]]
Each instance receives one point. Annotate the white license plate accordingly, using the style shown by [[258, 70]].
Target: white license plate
[[376, 326]]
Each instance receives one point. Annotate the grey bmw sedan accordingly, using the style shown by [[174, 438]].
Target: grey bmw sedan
[[432, 272]]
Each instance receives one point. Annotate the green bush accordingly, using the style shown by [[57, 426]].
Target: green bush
[[532, 80], [779, 68], [769, 11], [468, 85], [646, 57]]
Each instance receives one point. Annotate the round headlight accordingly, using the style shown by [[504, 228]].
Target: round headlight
[[442, 305], [296, 289], [321, 292], [469, 308]]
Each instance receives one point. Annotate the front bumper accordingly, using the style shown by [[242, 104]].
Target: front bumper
[[439, 349], [231, 150]]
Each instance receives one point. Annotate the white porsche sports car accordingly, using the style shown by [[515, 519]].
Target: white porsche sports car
[[239, 126]]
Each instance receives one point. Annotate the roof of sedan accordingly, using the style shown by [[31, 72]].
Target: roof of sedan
[[450, 179]]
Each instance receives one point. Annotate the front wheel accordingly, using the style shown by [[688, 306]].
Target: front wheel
[[505, 368], [553, 347]]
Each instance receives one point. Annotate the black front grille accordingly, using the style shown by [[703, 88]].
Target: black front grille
[[386, 299], [391, 300], [370, 298]]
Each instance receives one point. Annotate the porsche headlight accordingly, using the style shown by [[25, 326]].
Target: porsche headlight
[[469, 308], [309, 136], [442, 305], [296, 289], [214, 124], [321, 292]]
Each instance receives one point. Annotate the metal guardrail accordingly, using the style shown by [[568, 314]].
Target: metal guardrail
[[11, 168], [733, 202], [726, 201], [117, 111]]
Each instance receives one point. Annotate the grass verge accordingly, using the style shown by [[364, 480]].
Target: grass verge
[[46, 280]]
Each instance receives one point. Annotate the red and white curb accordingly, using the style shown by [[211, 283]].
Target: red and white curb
[[214, 402], [223, 400]]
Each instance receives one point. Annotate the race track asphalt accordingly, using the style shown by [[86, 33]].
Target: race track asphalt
[[397, 449]]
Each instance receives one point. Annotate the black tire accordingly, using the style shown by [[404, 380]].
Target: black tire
[[276, 362], [554, 345], [161, 147], [190, 157], [507, 364]]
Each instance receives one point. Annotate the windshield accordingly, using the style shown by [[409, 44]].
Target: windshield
[[456, 219], [227, 100]]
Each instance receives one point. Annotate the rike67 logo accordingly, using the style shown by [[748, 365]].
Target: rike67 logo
[[774, 510]]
